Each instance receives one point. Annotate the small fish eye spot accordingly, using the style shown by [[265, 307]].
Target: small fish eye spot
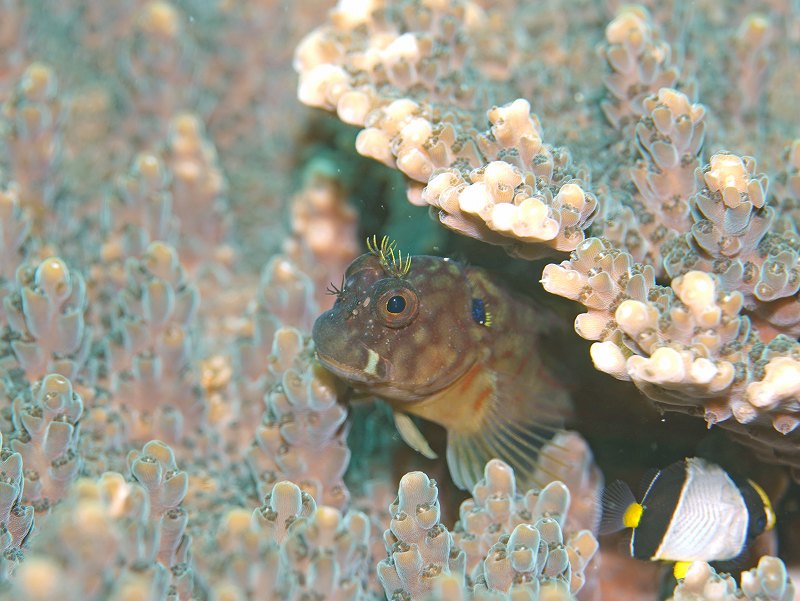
[[396, 304]]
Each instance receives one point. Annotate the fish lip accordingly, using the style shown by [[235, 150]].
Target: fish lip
[[345, 371]]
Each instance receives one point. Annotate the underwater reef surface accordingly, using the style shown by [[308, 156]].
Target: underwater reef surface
[[183, 183]]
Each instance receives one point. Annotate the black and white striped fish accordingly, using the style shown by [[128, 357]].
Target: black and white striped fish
[[691, 511]]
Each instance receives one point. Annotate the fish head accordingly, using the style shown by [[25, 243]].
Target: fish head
[[401, 333]]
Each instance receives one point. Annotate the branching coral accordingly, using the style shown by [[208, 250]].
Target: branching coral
[[292, 549], [15, 226], [198, 189], [98, 544], [786, 189], [302, 437], [12, 44], [166, 486], [640, 65], [420, 548], [285, 297], [687, 347], [323, 226], [669, 137], [286, 292], [16, 519], [731, 236], [751, 60], [46, 422], [499, 523], [768, 582], [328, 554], [525, 196], [568, 458], [35, 115], [151, 344], [157, 66], [46, 315], [505, 545], [136, 213], [505, 186]]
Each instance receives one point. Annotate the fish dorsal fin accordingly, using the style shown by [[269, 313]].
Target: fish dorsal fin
[[646, 482], [412, 436], [487, 416]]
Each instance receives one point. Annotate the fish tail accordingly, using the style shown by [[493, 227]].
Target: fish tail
[[619, 508]]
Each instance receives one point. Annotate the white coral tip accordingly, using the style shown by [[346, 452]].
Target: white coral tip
[[376, 144], [697, 290], [633, 316], [781, 381], [664, 366], [498, 173], [475, 199], [353, 107], [573, 195], [563, 282], [727, 171], [534, 221], [702, 371], [608, 357], [405, 47], [352, 13]]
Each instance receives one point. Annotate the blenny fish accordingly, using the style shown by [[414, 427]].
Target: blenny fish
[[692, 510], [445, 342]]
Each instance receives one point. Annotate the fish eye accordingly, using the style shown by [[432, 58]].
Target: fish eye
[[398, 306]]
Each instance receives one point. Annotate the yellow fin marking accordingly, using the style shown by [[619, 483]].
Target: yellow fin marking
[[768, 510], [632, 515], [680, 568]]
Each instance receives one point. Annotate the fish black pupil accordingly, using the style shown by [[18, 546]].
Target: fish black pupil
[[396, 304]]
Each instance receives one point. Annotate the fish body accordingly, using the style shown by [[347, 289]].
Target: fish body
[[692, 511], [443, 341]]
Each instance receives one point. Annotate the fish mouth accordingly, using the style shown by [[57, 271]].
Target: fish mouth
[[355, 374]]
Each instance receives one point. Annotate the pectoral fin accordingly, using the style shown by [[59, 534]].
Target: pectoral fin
[[412, 436], [489, 415], [516, 441]]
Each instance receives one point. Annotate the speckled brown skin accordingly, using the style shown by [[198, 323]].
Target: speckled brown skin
[[483, 383]]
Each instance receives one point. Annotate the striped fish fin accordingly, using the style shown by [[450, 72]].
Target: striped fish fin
[[615, 500], [506, 427]]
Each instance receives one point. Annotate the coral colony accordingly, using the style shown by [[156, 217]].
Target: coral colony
[[171, 216]]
